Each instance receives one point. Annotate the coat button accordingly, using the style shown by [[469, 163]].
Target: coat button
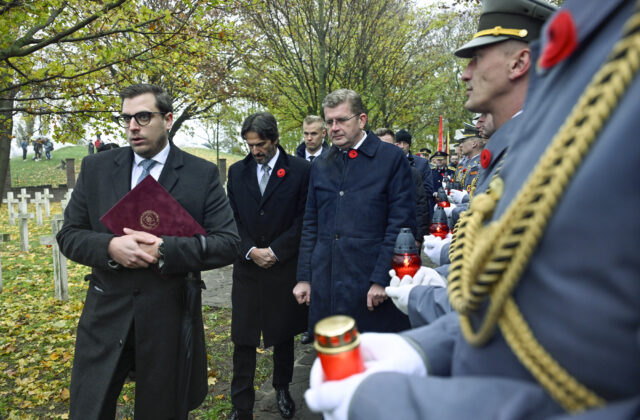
[[341, 193], [337, 236], [261, 213], [136, 292], [120, 343]]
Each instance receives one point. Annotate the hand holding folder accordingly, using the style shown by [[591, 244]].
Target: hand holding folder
[[150, 208]]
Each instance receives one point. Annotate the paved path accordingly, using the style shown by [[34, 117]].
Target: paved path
[[218, 294]]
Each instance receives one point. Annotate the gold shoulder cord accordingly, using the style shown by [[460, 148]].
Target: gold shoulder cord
[[473, 186], [487, 261]]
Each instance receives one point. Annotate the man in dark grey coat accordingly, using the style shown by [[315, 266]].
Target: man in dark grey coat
[[267, 191], [133, 313]]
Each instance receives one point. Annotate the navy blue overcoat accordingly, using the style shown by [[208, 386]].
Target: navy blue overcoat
[[356, 205]]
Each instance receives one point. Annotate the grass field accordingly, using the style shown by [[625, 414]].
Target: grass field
[[44, 172], [37, 332]]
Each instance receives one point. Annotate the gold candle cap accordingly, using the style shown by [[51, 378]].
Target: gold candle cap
[[336, 334]]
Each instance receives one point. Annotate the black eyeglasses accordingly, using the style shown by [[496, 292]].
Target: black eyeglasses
[[340, 121], [142, 118]]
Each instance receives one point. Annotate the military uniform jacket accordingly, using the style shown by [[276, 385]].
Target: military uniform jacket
[[471, 173], [357, 203], [438, 175], [262, 299], [153, 301], [578, 293]]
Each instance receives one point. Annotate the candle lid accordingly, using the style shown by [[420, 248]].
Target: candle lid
[[336, 334]]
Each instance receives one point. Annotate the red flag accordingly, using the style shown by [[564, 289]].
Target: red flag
[[440, 135]]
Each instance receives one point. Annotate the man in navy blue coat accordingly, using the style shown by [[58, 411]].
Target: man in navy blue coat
[[360, 194]]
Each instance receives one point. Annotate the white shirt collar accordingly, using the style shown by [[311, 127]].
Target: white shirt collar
[[358, 144], [307, 154], [160, 157]]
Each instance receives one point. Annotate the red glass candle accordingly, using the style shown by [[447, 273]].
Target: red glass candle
[[337, 342], [406, 258], [439, 229], [406, 264]]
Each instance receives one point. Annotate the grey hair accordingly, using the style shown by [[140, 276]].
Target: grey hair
[[341, 96]]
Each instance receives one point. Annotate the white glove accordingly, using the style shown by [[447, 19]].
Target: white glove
[[448, 210], [433, 245], [399, 290], [380, 352], [456, 196]]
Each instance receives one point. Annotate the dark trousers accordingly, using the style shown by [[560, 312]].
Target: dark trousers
[[125, 364], [244, 369]]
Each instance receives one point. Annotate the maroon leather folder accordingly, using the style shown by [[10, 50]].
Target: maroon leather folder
[[150, 208]]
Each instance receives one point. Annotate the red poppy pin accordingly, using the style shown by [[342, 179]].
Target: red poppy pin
[[464, 170], [281, 172], [353, 154], [485, 158], [562, 40]]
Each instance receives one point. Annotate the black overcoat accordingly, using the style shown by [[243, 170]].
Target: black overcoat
[[262, 299], [153, 303]]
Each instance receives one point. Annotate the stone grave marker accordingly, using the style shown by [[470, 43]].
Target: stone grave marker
[[13, 213], [60, 276], [65, 200], [23, 218], [4, 237], [23, 196], [47, 197], [39, 202]]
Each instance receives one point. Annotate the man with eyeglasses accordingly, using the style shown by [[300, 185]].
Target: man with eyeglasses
[[133, 313], [360, 195]]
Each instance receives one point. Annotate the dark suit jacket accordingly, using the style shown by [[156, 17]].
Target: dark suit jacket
[[263, 300], [144, 298]]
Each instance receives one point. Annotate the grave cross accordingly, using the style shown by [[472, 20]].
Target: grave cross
[[10, 201], [23, 196], [65, 200], [47, 196], [38, 201], [4, 237], [24, 217], [60, 276]]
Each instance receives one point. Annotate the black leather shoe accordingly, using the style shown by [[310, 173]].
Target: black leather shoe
[[306, 338], [236, 415], [285, 403]]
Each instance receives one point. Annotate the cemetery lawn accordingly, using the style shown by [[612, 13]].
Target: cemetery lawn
[[28, 172], [37, 334]]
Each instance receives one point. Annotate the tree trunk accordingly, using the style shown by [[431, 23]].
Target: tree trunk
[[6, 129], [322, 57]]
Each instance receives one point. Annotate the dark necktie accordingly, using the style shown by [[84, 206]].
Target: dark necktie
[[311, 158]]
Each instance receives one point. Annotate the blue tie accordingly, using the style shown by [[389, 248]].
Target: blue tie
[[146, 164]]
